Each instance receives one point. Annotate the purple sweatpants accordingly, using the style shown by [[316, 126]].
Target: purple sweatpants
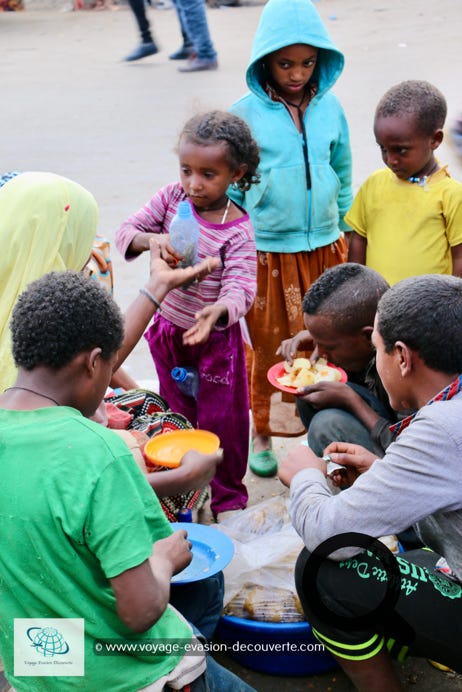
[[222, 404]]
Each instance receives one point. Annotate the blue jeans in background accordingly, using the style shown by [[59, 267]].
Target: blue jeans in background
[[193, 20]]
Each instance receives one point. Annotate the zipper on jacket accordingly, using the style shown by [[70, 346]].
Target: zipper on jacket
[[305, 156], [302, 131]]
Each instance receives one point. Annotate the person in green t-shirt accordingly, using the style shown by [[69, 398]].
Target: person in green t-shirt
[[86, 536]]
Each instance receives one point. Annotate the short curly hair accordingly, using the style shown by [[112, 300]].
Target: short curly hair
[[60, 315], [347, 294], [424, 312], [220, 126], [421, 99]]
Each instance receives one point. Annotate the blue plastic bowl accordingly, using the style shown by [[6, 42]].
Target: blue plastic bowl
[[270, 646]]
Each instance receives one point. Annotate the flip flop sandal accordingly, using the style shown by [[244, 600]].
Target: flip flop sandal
[[263, 463]]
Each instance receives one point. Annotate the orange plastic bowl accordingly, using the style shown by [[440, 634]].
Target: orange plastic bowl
[[167, 449]]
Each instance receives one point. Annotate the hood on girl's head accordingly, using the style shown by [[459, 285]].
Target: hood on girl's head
[[284, 23]]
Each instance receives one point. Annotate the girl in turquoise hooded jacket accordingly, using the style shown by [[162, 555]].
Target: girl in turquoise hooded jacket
[[298, 208]]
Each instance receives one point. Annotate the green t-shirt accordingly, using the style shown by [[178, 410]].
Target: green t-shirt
[[75, 510]]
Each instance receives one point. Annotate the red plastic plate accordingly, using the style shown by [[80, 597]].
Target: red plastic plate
[[278, 370]]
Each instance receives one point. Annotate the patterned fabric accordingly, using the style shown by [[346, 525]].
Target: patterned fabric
[[5, 177], [152, 416], [445, 394], [282, 281]]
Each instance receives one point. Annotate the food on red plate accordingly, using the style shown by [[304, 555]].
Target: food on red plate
[[303, 373]]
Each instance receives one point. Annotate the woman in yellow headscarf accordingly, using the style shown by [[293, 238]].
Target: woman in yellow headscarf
[[47, 223]]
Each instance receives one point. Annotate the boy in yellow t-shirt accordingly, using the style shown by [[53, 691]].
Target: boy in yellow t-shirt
[[407, 218]]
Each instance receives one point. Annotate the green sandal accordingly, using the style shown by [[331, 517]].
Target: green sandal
[[263, 463]]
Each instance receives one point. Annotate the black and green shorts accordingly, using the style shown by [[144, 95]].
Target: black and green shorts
[[357, 606]]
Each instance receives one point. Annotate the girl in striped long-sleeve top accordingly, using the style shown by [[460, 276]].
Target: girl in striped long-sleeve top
[[200, 326]]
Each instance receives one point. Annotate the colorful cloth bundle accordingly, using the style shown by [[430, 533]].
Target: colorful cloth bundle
[[150, 415]]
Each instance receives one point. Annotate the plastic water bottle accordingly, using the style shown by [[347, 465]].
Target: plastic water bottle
[[184, 234], [187, 380]]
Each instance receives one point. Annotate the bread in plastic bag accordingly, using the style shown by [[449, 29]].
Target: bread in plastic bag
[[259, 581]]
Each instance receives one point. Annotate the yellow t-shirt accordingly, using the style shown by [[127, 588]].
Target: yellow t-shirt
[[410, 228]]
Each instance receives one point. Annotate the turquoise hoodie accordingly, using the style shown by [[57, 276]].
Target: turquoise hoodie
[[287, 216]]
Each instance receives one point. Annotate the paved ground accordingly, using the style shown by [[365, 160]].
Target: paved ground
[[70, 105]]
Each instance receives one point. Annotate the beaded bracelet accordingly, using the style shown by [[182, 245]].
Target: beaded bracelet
[[153, 300]]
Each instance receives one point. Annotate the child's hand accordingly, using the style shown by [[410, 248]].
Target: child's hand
[[175, 549], [195, 471], [298, 459], [355, 458], [289, 347], [327, 395], [167, 251], [200, 468], [163, 277], [205, 321]]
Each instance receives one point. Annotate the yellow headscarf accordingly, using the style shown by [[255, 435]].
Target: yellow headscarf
[[47, 223]]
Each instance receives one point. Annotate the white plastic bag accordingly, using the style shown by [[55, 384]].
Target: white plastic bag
[[259, 581]]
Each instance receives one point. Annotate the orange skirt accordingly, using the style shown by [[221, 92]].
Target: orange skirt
[[282, 281]]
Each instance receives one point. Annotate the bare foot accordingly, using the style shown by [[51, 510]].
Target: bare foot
[[260, 442]]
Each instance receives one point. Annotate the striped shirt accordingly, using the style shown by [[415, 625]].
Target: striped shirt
[[233, 284]]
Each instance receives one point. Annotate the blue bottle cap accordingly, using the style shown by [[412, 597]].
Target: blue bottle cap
[[179, 374], [185, 514], [184, 209]]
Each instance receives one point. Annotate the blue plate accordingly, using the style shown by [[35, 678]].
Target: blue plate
[[211, 550]]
